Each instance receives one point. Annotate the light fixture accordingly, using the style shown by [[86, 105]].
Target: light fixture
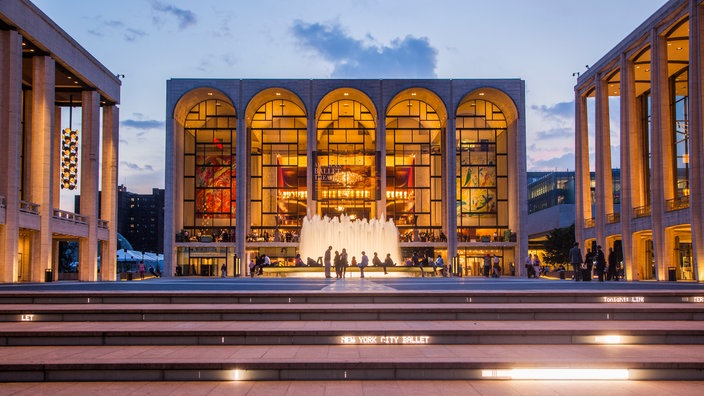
[[557, 374]]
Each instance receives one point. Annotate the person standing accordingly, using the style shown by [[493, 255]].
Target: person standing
[[587, 268], [575, 255], [600, 263], [363, 263], [326, 261], [338, 265], [611, 271], [536, 266], [141, 268], [223, 270], [487, 265], [343, 262], [529, 266]]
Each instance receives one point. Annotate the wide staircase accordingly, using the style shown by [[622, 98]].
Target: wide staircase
[[216, 336]]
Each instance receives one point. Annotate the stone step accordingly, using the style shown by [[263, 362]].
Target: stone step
[[350, 362], [352, 333], [608, 296], [348, 311]]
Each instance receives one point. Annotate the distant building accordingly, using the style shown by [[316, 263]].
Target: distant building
[[140, 218]]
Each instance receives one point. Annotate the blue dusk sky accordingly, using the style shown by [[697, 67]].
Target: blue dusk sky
[[540, 41]]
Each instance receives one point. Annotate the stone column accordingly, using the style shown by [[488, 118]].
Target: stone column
[[10, 133], [242, 183], [108, 196], [660, 151], [451, 182], [381, 173], [582, 193], [90, 159], [604, 179], [696, 140], [41, 166], [630, 165]]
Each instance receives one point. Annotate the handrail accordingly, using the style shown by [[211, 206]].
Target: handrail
[[70, 216], [678, 203], [103, 223], [641, 211], [29, 207], [613, 218], [589, 223]]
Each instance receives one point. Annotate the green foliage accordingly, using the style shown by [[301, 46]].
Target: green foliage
[[558, 245]]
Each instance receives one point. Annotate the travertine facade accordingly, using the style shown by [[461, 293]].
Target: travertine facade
[[247, 160], [652, 83], [43, 70]]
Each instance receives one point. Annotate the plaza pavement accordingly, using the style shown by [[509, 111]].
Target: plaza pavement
[[355, 387]]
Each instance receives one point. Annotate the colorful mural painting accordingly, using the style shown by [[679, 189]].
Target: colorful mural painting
[[215, 186]]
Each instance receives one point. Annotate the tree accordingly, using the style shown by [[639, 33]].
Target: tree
[[558, 245]]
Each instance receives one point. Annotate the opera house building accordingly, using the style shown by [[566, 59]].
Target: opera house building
[[250, 161]]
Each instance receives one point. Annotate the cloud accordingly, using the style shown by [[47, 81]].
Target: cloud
[[185, 18], [116, 27], [561, 163], [408, 57], [558, 110], [556, 133], [135, 167], [143, 124]]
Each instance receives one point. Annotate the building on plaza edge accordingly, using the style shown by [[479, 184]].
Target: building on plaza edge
[[46, 77], [247, 160], [651, 83]]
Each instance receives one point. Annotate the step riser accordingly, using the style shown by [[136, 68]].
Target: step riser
[[370, 338], [311, 372], [524, 315]]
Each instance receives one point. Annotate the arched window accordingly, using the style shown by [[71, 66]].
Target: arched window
[[482, 170], [346, 163], [278, 165], [209, 197], [414, 169]]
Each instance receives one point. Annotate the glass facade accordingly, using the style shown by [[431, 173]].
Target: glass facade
[[277, 176], [244, 181], [346, 162], [209, 171], [414, 170], [482, 171]]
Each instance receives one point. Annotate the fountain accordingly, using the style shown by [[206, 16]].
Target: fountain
[[356, 236]]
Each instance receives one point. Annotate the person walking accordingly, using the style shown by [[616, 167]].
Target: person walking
[[496, 268], [487, 265], [326, 262], [575, 255]]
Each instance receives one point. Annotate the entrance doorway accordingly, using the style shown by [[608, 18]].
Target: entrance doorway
[[204, 266]]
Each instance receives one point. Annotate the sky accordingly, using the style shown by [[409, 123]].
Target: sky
[[543, 42]]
